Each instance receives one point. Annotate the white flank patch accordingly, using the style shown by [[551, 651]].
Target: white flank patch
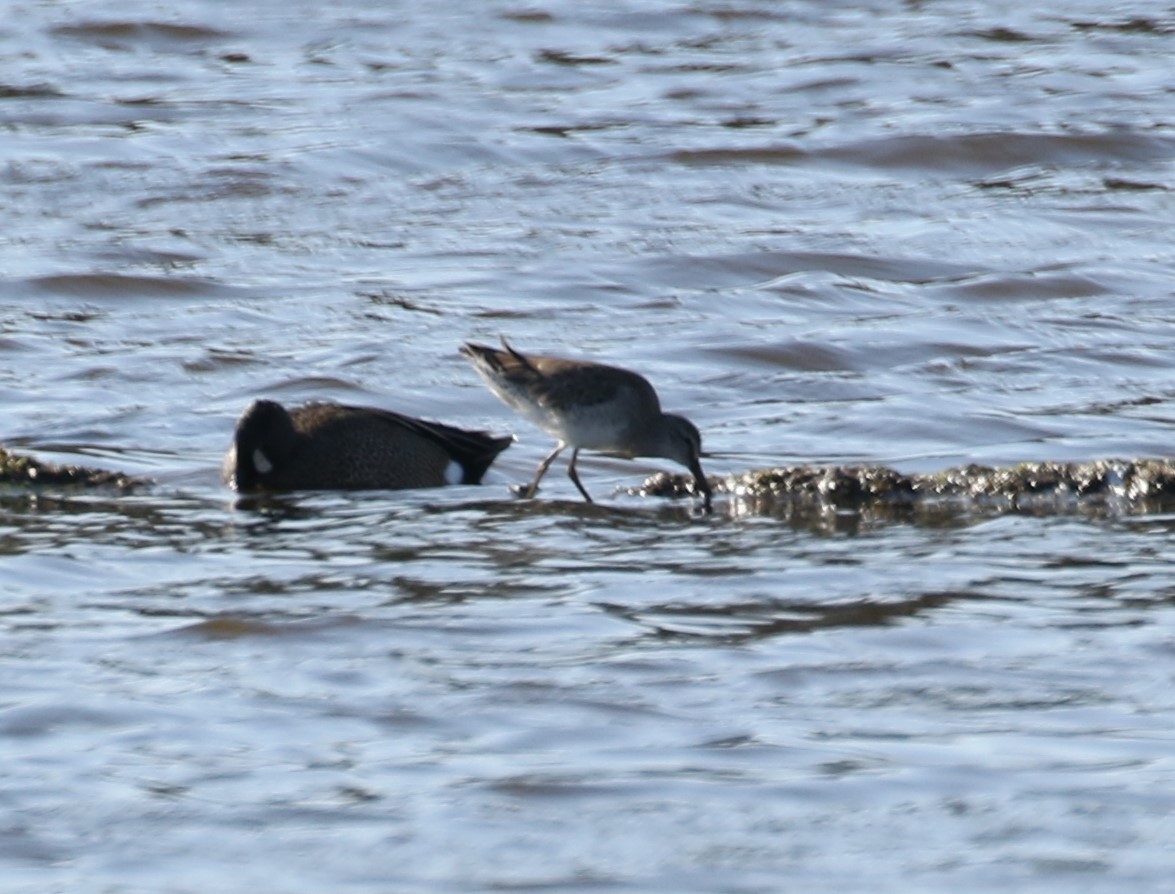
[[261, 462], [454, 473]]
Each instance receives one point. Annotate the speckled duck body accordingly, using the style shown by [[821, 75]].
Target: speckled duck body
[[328, 446]]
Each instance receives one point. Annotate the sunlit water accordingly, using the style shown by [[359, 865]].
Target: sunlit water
[[919, 234]]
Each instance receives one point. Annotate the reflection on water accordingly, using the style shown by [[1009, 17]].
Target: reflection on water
[[409, 665], [919, 236]]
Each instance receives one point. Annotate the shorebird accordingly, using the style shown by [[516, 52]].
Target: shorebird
[[327, 446], [588, 406]]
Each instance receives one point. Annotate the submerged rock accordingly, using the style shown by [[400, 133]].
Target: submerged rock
[[1028, 485], [18, 470], [1119, 479]]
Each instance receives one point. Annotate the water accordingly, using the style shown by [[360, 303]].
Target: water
[[920, 235]]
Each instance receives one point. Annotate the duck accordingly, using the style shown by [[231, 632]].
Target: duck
[[331, 446]]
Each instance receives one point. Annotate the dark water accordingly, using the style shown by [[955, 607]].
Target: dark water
[[919, 234]]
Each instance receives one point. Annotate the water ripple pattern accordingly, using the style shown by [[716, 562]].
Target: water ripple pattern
[[920, 235]]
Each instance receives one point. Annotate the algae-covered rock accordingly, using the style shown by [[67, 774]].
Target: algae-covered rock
[[1108, 478], [1038, 485], [848, 486], [18, 470]]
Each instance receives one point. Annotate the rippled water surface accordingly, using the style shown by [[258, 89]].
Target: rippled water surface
[[918, 234]]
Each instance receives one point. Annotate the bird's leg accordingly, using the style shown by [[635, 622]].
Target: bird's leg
[[574, 476], [701, 484], [529, 490]]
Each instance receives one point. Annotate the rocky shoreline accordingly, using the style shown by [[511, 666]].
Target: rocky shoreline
[[1027, 485], [18, 470], [1147, 484]]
